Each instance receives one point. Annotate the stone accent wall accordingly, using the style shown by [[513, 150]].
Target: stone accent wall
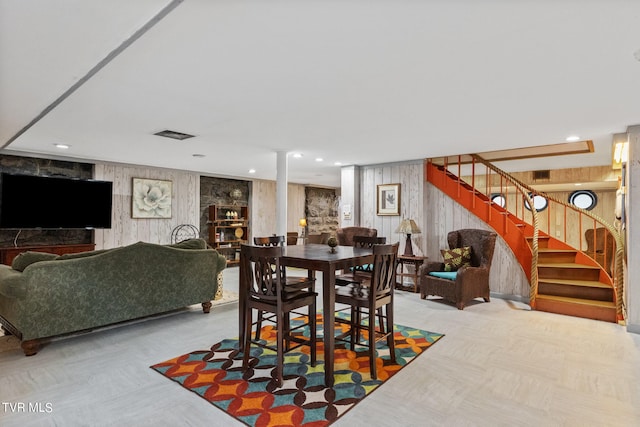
[[217, 191], [45, 167], [321, 210]]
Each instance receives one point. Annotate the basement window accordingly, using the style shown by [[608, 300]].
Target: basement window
[[583, 199], [539, 202], [499, 199]]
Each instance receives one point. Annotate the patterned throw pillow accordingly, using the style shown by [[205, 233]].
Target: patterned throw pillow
[[456, 258]]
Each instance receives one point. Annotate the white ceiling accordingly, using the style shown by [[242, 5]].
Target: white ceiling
[[356, 81]]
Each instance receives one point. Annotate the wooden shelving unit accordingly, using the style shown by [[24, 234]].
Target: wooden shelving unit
[[228, 229]]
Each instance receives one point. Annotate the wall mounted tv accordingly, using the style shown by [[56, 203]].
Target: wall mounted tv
[[29, 201]]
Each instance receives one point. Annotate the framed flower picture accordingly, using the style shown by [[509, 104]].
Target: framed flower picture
[[388, 199], [151, 198]]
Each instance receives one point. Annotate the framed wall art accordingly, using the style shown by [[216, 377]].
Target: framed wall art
[[151, 198], [388, 199]]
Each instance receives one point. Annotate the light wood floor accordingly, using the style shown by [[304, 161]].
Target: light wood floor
[[498, 365]]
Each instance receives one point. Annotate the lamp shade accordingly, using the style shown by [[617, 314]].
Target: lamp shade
[[303, 222], [408, 226]]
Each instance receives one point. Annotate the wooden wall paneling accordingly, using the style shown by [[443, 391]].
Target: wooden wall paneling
[[263, 212], [350, 184], [507, 277], [367, 197], [142, 226], [410, 176], [127, 230], [370, 219], [385, 220], [295, 206]]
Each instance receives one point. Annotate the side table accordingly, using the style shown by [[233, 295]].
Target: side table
[[416, 262]]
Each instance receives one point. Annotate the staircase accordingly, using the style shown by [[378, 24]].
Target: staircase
[[568, 287], [564, 280]]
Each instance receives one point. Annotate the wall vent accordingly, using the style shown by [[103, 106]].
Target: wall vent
[[174, 134], [541, 175]]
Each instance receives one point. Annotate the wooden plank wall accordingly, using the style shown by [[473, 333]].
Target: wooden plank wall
[[126, 230], [185, 205], [410, 176], [443, 214], [552, 219], [263, 207]]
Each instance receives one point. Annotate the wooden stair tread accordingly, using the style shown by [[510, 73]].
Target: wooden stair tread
[[568, 265], [576, 282], [560, 251], [581, 301]]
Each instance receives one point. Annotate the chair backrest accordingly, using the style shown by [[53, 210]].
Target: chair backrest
[[345, 235], [269, 241], [383, 277], [261, 271], [292, 238], [603, 240], [321, 238], [368, 242], [482, 243]]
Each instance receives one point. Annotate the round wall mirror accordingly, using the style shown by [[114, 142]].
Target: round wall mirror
[[583, 199]]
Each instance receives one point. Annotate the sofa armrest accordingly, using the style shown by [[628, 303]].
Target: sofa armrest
[[221, 263], [11, 283]]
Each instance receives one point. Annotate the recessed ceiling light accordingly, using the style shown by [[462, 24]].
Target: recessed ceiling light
[[198, 155], [297, 155], [62, 146], [319, 159], [338, 163], [252, 171], [573, 138]]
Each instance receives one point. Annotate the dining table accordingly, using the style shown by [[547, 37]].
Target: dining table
[[320, 258]]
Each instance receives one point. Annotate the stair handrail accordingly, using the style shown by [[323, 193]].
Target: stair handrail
[[533, 286], [618, 279]]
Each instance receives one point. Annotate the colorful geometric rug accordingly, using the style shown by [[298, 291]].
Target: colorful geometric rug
[[303, 400]]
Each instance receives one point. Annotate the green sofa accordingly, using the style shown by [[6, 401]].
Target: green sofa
[[45, 295]]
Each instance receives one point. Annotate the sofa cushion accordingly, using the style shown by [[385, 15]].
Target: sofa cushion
[[451, 275], [190, 244], [27, 258], [456, 258]]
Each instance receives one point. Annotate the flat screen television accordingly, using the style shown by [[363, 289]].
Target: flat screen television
[[30, 201]]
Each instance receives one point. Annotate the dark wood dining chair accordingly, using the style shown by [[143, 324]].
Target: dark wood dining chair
[[371, 298], [291, 283], [345, 235], [360, 270], [292, 238], [266, 292]]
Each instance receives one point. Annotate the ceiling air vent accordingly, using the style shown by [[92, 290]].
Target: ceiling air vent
[[173, 134], [541, 175]]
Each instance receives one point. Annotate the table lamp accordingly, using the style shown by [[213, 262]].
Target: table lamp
[[408, 227], [303, 224]]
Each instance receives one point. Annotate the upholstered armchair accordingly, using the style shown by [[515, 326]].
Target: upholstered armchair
[[464, 274], [345, 235]]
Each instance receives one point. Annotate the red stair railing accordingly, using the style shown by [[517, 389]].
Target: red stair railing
[[515, 221]]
